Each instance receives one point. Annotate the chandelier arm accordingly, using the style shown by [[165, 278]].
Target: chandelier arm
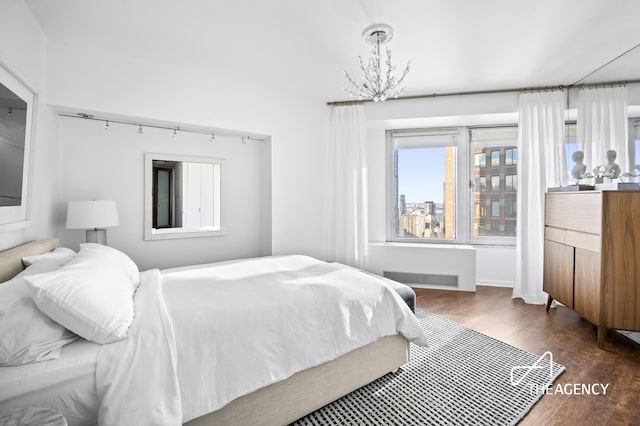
[[389, 83], [368, 77], [355, 92], [350, 80], [399, 87], [353, 83], [405, 72], [359, 89]]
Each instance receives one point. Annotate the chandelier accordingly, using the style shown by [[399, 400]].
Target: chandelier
[[377, 84]]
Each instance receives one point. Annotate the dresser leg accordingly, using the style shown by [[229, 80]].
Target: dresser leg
[[549, 300], [602, 335]]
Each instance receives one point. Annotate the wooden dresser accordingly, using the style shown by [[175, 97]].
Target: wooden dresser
[[592, 256]]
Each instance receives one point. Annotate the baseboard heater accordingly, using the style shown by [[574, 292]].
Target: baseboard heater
[[412, 278]]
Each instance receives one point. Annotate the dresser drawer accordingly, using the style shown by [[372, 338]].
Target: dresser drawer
[[576, 211], [555, 234]]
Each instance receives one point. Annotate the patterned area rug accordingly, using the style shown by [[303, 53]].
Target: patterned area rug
[[463, 378]]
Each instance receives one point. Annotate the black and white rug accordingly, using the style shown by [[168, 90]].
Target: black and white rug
[[463, 378]]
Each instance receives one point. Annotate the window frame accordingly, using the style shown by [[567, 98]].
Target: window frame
[[491, 240], [461, 185]]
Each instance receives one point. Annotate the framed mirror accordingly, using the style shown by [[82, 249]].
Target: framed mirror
[[183, 196], [16, 117]]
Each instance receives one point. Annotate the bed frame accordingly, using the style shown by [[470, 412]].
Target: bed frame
[[11, 259], [284, 402]]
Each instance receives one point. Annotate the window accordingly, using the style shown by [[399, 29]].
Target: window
[[495, 209], [424, 185], [495, 158], [481, 184], [480, 160], [499, 226], [452, 185], [495, 183]]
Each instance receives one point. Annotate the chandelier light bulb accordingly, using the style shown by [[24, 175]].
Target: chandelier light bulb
[[106, 126], [140, 131], [376, 83]]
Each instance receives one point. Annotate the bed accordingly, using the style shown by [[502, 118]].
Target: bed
[[281, 402]]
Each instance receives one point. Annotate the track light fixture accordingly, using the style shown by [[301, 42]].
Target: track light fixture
[[174, 130]]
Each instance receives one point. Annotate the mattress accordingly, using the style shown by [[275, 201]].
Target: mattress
[[66, 384]]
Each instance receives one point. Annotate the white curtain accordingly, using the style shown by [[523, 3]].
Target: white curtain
[[542, 164], [602, 125], [347, 214]]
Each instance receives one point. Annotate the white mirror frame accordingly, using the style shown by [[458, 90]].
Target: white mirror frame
[[171, 233], [17, 217]]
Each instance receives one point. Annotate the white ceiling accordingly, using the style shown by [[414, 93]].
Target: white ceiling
[[303, 46]]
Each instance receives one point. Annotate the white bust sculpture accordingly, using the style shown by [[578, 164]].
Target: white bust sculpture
[[611, 169], [579, 168]]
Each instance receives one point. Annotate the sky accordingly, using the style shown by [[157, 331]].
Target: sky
[[421, 174]]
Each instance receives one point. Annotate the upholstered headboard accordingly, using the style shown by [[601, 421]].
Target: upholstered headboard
[[11, 259]]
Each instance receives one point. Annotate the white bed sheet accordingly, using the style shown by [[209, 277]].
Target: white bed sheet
[[240, 326], [66, 384]]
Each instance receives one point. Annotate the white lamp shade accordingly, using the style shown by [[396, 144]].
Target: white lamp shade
[[92, 214]]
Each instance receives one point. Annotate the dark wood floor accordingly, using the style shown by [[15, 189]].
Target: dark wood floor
[[572, 341]]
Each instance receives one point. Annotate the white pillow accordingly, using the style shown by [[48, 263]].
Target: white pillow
[[60, 255], [26, 334], [92, 295], [116, 257]]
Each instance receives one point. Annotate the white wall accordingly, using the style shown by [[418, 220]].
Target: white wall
[[89, 80], [23, 51], [109, 164], [495, 265]]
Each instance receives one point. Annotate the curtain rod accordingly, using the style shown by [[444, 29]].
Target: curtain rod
[[175, 129], [493, 91]]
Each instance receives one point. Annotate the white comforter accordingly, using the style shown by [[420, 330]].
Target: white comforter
[[238, 327]]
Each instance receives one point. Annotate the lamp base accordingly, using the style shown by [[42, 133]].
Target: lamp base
[[98, 236]]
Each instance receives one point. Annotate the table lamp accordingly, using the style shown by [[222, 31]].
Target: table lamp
[[93, 216]]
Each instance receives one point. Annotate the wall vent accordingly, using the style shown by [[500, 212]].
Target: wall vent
[[411, 278]]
